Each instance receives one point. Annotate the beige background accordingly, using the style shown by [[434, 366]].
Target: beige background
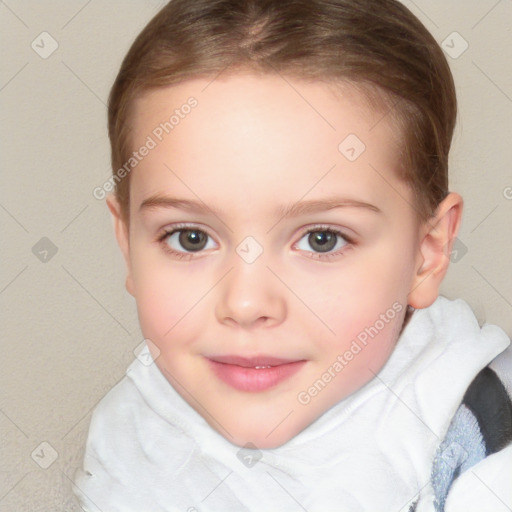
[[68, 326]]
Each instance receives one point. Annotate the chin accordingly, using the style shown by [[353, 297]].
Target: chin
[[259, 440], [263, 434]]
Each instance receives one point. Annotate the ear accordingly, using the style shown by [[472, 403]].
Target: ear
[[123, 239], [439, 233]]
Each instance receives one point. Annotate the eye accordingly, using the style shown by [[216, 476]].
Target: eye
[[323, 241], [185, 240]]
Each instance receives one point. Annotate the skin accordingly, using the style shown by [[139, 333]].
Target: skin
[[251, 145]]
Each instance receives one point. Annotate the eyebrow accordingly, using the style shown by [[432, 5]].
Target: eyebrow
[[284, 211]]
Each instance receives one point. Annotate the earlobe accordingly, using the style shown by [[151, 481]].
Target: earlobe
[[122, 236], [434, 251]]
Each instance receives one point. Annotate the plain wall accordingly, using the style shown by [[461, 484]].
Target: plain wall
[[69, 328]]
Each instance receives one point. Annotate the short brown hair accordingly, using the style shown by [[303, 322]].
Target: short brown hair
[[377, 45]]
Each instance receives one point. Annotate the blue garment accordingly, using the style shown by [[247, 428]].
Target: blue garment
[[481, 426], [462, 448]]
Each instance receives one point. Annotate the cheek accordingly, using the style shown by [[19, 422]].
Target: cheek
[[362, 349], [360, 296], [363, 304], [166, 298]]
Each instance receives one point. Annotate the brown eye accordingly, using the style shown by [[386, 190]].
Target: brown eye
[[186, 240], [192, 239], [322, 241]]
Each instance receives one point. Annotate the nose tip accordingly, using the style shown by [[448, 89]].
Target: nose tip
[[248, 313], [250, 297], [248, 320]]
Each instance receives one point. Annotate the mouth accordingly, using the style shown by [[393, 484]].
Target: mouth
[[253, 374]]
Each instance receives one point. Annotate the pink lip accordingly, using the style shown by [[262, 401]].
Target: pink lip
[[240, 372], [251, 362]]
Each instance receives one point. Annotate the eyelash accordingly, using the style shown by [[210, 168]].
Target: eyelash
[[314, 255]]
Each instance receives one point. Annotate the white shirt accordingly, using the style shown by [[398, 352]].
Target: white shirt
[[149, 451]]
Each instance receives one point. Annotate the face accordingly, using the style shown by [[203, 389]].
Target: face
[[271, 248]]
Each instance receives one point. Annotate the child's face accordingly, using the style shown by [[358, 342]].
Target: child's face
[[251, 148]]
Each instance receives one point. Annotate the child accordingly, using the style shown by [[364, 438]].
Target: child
[[282, 206]]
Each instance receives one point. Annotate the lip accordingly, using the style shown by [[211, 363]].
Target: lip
[[240, 372], [252, 361]]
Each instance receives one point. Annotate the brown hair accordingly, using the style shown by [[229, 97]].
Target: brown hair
[[377, 45]]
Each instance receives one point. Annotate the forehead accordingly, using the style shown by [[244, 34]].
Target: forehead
[[256, 134], [275, 97]]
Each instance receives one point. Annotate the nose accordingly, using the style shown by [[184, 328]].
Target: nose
[[250, 296]]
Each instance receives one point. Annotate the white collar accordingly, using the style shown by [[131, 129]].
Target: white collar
[[372, 451]]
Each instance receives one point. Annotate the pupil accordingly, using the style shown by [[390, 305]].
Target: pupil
[[192, 240], [323, 240]]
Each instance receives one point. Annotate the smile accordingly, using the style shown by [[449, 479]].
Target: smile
[[253, 374]]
